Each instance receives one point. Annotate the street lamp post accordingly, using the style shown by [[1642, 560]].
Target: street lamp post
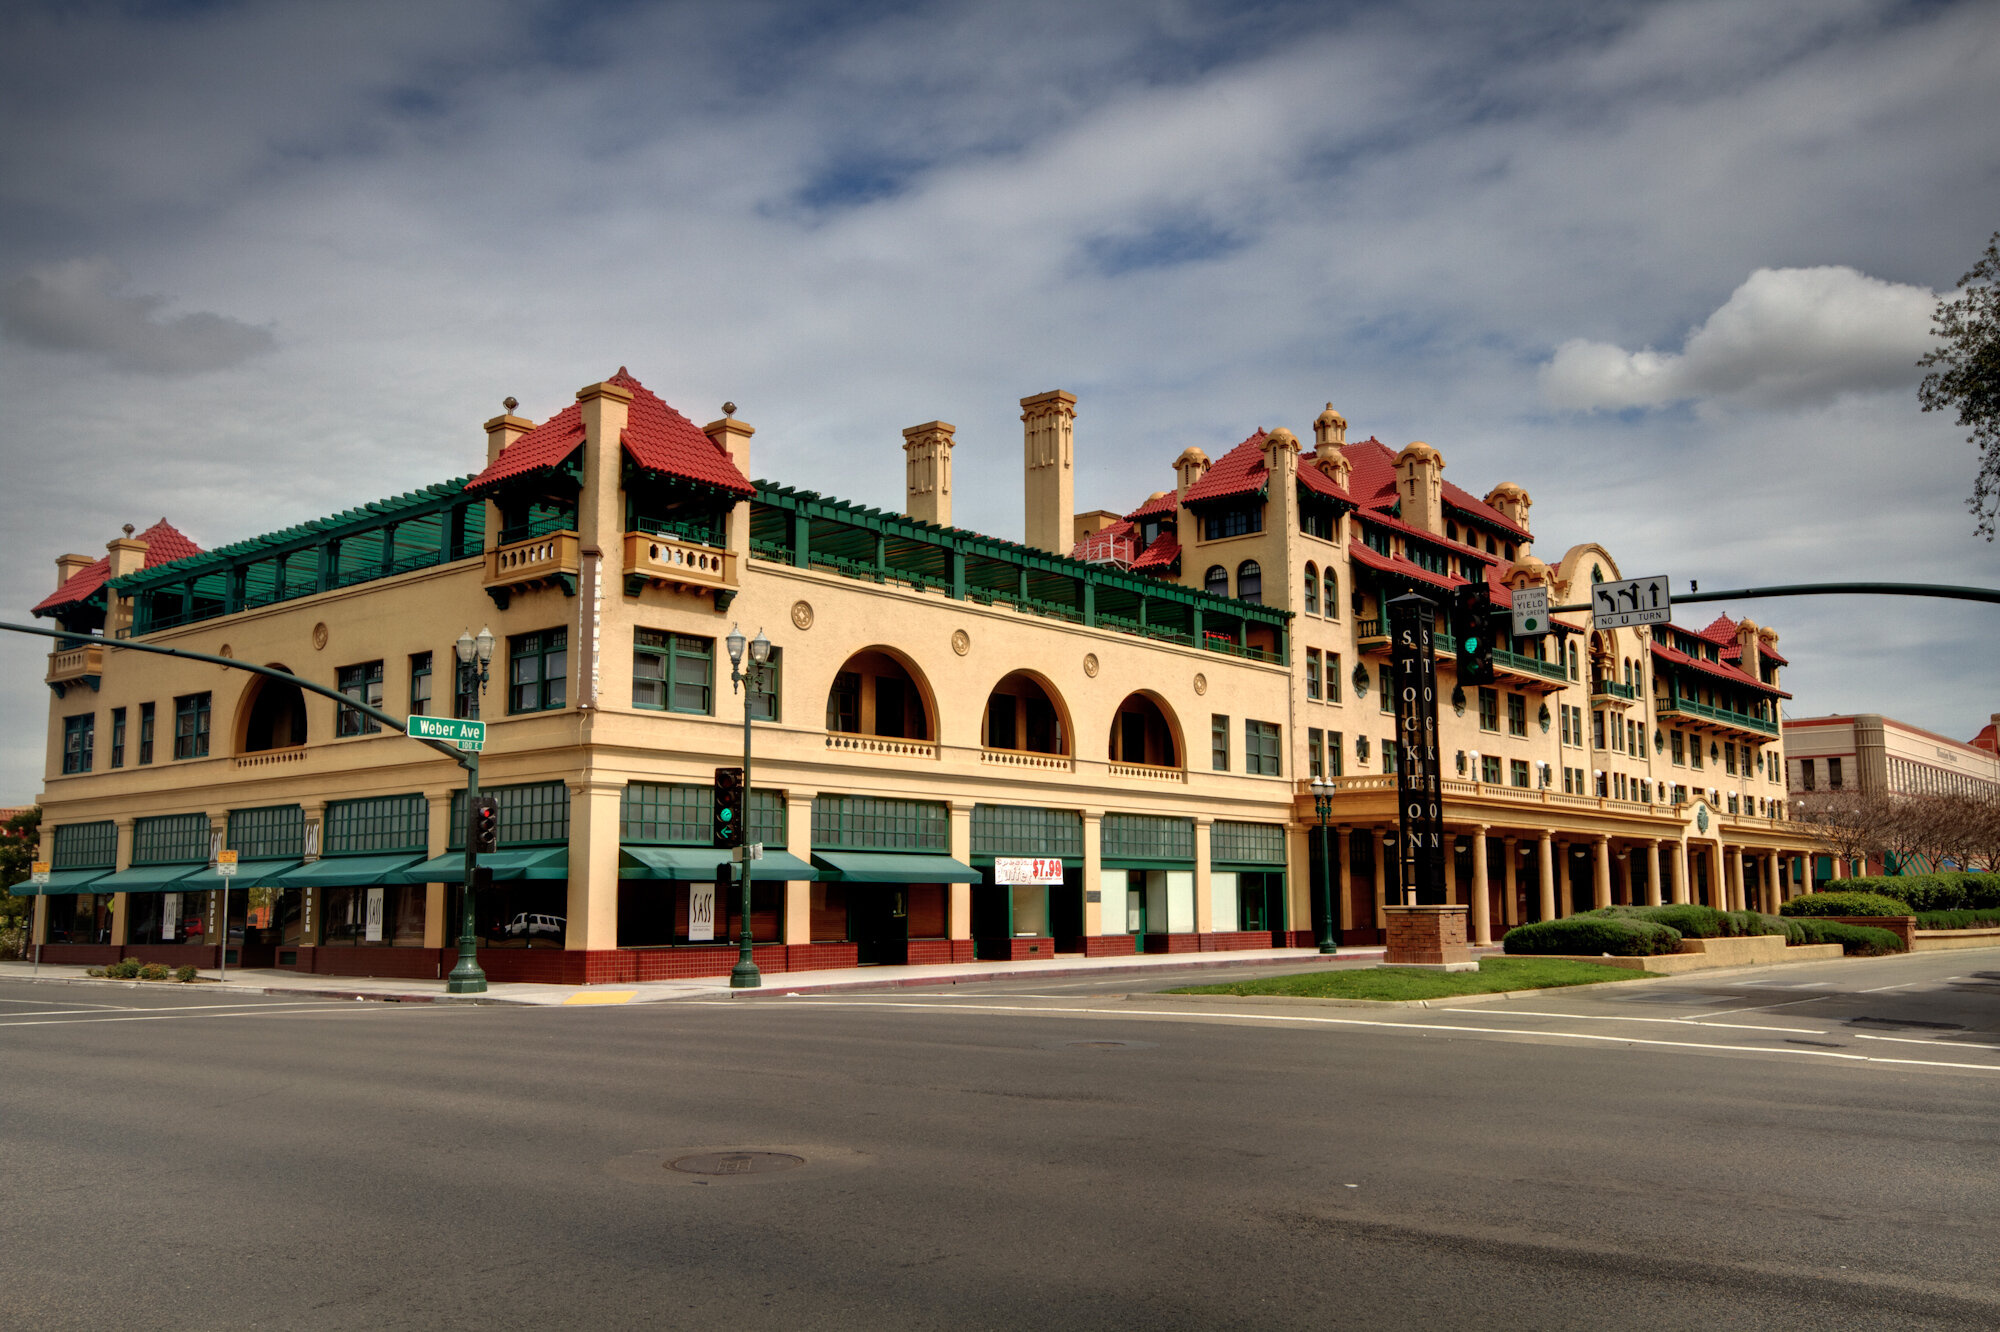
[[744, 975], [1323, 806], [476, 655]]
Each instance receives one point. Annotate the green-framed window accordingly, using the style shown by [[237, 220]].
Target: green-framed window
[[1218, 749], [1489, 709], [766, 689], [1517, 714], [1489, 769], [673, 672], [1263, 749], [420, 684], [1315, 752], [1024, 830], [377, 823], [1336, 762], [1147, 837], [538, 671], [79, 739], [1312, 673], [876, 823], [681, 814], [85, 846], [1517, 772], [145, 733], [1385, 689], [191, 726], [1232, 843], [117, 737], [362, 683], [533, 814], [268, 832], [1332, 672], [169, 839]]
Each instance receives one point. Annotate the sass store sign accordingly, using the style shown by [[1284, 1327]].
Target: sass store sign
[[1027, 870], [701, 912]]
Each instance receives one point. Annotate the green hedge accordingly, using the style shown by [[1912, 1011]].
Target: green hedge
[[1695, 922], [1949, 890], [1957, 920], [1593, 934], [1845, 904], [1854, 940]]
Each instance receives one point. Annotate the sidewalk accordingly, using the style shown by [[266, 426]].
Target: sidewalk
[[1144, 968]]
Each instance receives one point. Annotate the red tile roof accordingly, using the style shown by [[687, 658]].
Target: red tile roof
[[1374, 486], [1164, 502], [1166, 548], [1723, 632], [1725, 670], [1988, 739], [1238, 472], [1116, 542], [164, 544], [656, 437]]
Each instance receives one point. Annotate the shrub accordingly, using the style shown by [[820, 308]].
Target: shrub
[[1947, 890], [1845, 904], [1693, 922], [185, 974], [154, 971], [1739, 924], [1592, 934], [125, 970], [95, 971], [1858, 940], [1957, 920]]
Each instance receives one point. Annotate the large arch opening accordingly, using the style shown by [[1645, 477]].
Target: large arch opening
[[271, 715], [876, 693], [1143, 733], [1024, 714]]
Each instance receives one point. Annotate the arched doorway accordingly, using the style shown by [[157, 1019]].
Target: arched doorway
[[1024, 714], [876, 693], [1143, 734], [272, 715]]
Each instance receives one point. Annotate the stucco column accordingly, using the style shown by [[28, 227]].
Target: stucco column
[[1546, 870], [1343, 843], [1600, 886], [1653, 872], [1482, 892], [958, 921], [798, 929], [1718, 877], [1682, 894], [1739, 886], [437, 841], [1299, 884], [1777, 880], [1093, 877], [1204, 879], [122, 860], [1381, 876], [1510, 910], [593, 864]]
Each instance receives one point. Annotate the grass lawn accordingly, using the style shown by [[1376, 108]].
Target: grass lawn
[[1494, 975]]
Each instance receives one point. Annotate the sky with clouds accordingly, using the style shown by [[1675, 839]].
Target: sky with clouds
[[1665, 265]]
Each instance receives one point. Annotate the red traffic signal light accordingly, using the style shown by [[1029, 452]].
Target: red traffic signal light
[[486, 824]]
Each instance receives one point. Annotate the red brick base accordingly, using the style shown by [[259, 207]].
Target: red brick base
[[1238, 940], [1108, 945], [1903, 927], [79, 955], [1019, 950], [1426, 935], [926, 953]]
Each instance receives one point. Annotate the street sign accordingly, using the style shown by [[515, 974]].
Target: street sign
[[452, 730], [752, 851], [1633, 601], [225, 864], [38, 870], [1531, 611]]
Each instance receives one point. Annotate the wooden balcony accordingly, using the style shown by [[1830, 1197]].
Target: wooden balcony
[[548, 560], [653, 560], [79, 665]]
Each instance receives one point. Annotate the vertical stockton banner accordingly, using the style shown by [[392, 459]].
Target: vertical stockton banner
[[1419, 797]]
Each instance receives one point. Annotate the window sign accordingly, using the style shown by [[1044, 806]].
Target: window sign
[[170, 915], [701, 912], [1027, 870], [372, 928]]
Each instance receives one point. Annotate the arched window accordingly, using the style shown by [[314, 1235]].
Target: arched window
[[1572, 663], [1312, 590], [275, 717], [1021, 714], [1143, 733], [1332, 595], [1216, 580], [874, 694], [1249, 582]]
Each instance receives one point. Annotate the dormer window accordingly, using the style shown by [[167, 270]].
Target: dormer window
[[1238, 521]]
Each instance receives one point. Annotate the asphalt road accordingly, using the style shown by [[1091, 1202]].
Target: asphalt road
[[1806, 1147]]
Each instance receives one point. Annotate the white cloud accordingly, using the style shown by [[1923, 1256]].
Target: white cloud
[[1786, 337], [76, 306]]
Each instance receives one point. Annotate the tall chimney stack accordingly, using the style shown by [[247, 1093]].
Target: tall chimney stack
[[928, 489], [1049, 422]]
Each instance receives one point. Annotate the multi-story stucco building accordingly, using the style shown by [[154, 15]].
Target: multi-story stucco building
[[1141, 702], [1867, 754]]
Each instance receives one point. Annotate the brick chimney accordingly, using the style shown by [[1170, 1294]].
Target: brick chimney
[[1048, 438], [927, 490]]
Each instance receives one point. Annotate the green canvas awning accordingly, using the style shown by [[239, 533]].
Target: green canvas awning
[[61, 883], [349, 871], [249, 874], [148, 879], [697, 864], [893, 867], [531, 862]]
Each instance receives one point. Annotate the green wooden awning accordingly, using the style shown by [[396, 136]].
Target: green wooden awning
[[528, 862], [249, 874], [893, 867], [697, 864], [149, 879], [61, 883], [349, 871]]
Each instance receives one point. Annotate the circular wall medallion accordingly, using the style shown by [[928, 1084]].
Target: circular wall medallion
[[802, 615], [961, 642], [319, 636], [1090, 664], [1200, 684]]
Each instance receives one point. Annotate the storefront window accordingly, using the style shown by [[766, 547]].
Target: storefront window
[[383, 915]]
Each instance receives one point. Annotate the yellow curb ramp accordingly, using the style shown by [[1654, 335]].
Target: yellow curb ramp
[[602, 997]]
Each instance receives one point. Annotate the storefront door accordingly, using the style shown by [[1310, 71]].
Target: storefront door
[[880, 919]]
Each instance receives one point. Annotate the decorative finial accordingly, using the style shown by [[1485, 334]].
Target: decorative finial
[[729, 409], [128, 529], [510, 404]]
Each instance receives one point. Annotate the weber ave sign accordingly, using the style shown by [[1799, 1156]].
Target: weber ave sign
[[452, 730]]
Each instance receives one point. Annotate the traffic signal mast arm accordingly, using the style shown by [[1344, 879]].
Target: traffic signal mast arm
[[1986, 594]]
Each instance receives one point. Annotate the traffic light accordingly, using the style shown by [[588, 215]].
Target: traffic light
[[485, 824], [729, 807], [1471, 621]]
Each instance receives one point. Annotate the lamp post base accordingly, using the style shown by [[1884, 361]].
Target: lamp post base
[[466, 977], [745, 976], [1328, 947]]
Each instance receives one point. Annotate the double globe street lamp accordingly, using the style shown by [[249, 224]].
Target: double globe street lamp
[[475, 657], [1323, 806], [744, 975]]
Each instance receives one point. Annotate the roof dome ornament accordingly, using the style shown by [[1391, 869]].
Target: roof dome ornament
[[510, 403], [729, 409], [129, 529]]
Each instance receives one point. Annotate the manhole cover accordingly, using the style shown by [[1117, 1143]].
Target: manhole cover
[[735, 1163]]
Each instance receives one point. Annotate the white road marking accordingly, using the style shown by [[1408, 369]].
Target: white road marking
[[1287, 1019], [270, 1012], [176, 1008], [1916, 1040], [1878, 989], [1693, 1021]]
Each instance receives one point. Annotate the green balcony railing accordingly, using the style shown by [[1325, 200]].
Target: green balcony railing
[[1611, 687], [1725, 716]]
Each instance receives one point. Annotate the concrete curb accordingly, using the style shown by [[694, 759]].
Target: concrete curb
[[230, 987], [1443, 1001], [779, 989]]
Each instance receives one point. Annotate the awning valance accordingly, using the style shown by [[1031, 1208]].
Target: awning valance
[[146, 878], [697, 864], [249, 874], [61, 883], [349, 871], [528, 862], [893, 867]]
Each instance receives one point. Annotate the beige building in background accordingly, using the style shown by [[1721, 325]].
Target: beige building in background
[[1125, 712]]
